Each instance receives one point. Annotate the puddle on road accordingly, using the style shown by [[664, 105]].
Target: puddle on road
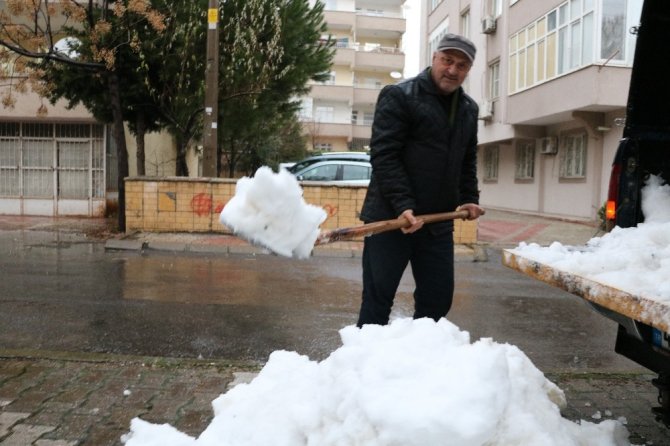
[[239, 280]]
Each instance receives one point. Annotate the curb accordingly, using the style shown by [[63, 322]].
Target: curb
[[113, 358], [477, 252]]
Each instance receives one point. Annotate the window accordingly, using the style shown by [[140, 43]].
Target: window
[[435, 37], [495, 8], [557, 43], [573, 155], [371, 82], [321, 173], [354, 117], [491, 163], [358, 144], [368, 117], [465, 23], [323, 147], [342, 42], [371, 46], [434, 3], [351, 172], [10, 155], [42, 160], [330, 79], [525, 160], [617, 17], [494, 80], [324, 113]]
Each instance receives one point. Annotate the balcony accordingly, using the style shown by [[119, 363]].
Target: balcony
[[365, 95], [594, 89], [331, 129], [338, 130], [345, 56], [339, 20], [362, 131], [380, 59], [336, 93], [390, 25]]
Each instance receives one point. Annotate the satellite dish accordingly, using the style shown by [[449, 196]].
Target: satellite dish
[[396, 74], [68, 47]]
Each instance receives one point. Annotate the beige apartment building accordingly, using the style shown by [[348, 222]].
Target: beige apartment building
[[337, 114], [551, 79]]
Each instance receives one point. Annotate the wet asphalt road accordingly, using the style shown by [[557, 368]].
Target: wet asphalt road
[[61, 292]]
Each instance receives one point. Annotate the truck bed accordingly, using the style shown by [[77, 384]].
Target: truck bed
[[649, 311]]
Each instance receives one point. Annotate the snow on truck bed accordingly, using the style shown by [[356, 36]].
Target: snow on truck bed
[[626, 270]]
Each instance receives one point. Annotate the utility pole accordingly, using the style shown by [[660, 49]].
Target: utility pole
[[210, 158]]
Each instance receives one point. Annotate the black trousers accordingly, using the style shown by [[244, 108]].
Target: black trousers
[[385, 257]]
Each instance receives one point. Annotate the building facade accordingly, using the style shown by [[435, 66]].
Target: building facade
[[551, 79], [337, 114]]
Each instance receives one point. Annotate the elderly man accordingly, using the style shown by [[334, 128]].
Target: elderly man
[[424, 161]]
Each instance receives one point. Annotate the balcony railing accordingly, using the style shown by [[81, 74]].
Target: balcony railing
[[368, 48], [388, 14]]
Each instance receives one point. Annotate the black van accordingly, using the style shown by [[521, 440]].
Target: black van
[[644, 150]]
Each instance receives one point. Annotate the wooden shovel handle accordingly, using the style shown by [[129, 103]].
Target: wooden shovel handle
[[343, 234]]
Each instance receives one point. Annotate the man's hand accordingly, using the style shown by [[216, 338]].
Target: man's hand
[[416, 224], [474, 210]]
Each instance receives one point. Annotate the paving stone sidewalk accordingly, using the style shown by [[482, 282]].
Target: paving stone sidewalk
[[62, 399]]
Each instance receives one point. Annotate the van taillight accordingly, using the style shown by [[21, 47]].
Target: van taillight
[[613, 192], [610, 210]]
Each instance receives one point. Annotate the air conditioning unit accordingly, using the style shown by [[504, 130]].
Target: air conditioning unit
[[486, 110], [547, 145], [488, 25]]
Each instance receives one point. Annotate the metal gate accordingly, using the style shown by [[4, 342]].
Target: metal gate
[[52, 169]]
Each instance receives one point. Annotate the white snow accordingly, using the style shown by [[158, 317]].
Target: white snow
[[268, 209], [411, 383], [635, 260]]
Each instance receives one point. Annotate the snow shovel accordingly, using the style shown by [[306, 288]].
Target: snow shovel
[[344, 234]]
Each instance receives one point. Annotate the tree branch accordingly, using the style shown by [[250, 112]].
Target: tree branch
[[55, 56]]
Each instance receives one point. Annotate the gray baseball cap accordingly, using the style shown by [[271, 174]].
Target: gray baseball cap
[[455, 42]]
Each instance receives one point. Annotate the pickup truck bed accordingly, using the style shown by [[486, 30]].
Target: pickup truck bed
[[636, 316], [652, 312]]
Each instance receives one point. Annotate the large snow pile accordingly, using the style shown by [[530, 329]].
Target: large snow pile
[[268, 209], [413, 382], [635, 260]]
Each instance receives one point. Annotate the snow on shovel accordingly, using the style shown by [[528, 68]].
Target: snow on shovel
[[269, 210]]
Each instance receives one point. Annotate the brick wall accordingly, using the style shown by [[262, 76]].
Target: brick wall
[[179, 204]]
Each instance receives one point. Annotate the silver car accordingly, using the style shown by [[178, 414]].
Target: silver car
[[328, 156], [350, 172]]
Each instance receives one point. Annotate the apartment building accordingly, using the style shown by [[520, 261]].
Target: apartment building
[[337, 114], [551, 79]]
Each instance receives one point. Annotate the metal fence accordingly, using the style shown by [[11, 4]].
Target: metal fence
[[49, 160]]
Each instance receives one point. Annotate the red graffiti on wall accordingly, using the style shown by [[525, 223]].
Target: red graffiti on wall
[[201, 204], [330, 210]]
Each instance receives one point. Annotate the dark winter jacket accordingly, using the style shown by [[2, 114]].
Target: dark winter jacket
[[423, 152]]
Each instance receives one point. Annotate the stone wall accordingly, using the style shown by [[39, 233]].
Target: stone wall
[[180, 204]]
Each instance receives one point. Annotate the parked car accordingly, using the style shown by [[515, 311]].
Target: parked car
[[330, 156], [351, 172]]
